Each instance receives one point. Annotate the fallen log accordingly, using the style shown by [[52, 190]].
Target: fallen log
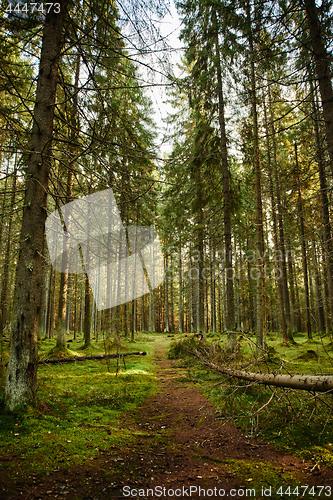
[[97, 356], [86, 358], [314, 383]]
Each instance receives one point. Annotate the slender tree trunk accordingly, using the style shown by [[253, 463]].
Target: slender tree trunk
[[181, 304], [171, 298], [21, 381], [319, 292], [292, 283], [86, 324], [285, 290], [42, 320], [5, 295], [303, 245], [166, 284], [328, 244], [322, 61], [200, 327], [212, 291], [230, 313], [64, 280], [261, 295], [61, 327], [275, 227], [3, 205], [251, 307], [143, 313]]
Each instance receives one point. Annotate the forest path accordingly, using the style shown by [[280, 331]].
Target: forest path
[[180, 444], [186, 444]]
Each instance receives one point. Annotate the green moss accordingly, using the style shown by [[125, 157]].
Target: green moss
[[81, 410], [59, 352], [320, 454], [259, 474], [293, 420]]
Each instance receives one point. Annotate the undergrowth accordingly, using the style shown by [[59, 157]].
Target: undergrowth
[[81, 409], [293, 420]]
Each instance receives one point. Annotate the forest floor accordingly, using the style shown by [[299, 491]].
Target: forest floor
[[183, 445]]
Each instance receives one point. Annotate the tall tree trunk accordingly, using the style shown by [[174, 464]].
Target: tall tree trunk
[[200, 302], [303, 245], [166, 281], [292, 285], [319, 292], [181, 304], [64, 279], [285, 290], [322, 61], [3, 204], [261, 295], [230, 313], [212, 290], [4, 300], [328, 244], [42, 320], [21, 381], [275, 226], [172, 312], [143, 313], [87, 313], [251, 307]]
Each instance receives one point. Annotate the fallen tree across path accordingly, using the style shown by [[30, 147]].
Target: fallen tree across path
[[86, 358], [315, 383]]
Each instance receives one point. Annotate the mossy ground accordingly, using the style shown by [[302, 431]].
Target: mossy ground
[[80, 410], [85, 433], [294, 420]]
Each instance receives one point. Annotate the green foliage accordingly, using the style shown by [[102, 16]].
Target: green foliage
[[184, 347], [293, 420], [80, 412]]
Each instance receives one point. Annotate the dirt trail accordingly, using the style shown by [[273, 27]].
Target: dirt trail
[[183, 444]]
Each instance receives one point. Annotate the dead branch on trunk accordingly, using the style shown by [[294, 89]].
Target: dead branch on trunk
[[315, 383]]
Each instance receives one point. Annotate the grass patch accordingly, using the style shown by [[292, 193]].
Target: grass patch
[[81, 410]]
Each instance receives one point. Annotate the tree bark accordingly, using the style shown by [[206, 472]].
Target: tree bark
[[275, 226], [319, 293], [303, 245], [286, 301], [64, 280], [261, 294], [181, 304], [4, 301], [322, 59], [314, 383], [166, 289], [21, 381], [230, 313], [327, 232]]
